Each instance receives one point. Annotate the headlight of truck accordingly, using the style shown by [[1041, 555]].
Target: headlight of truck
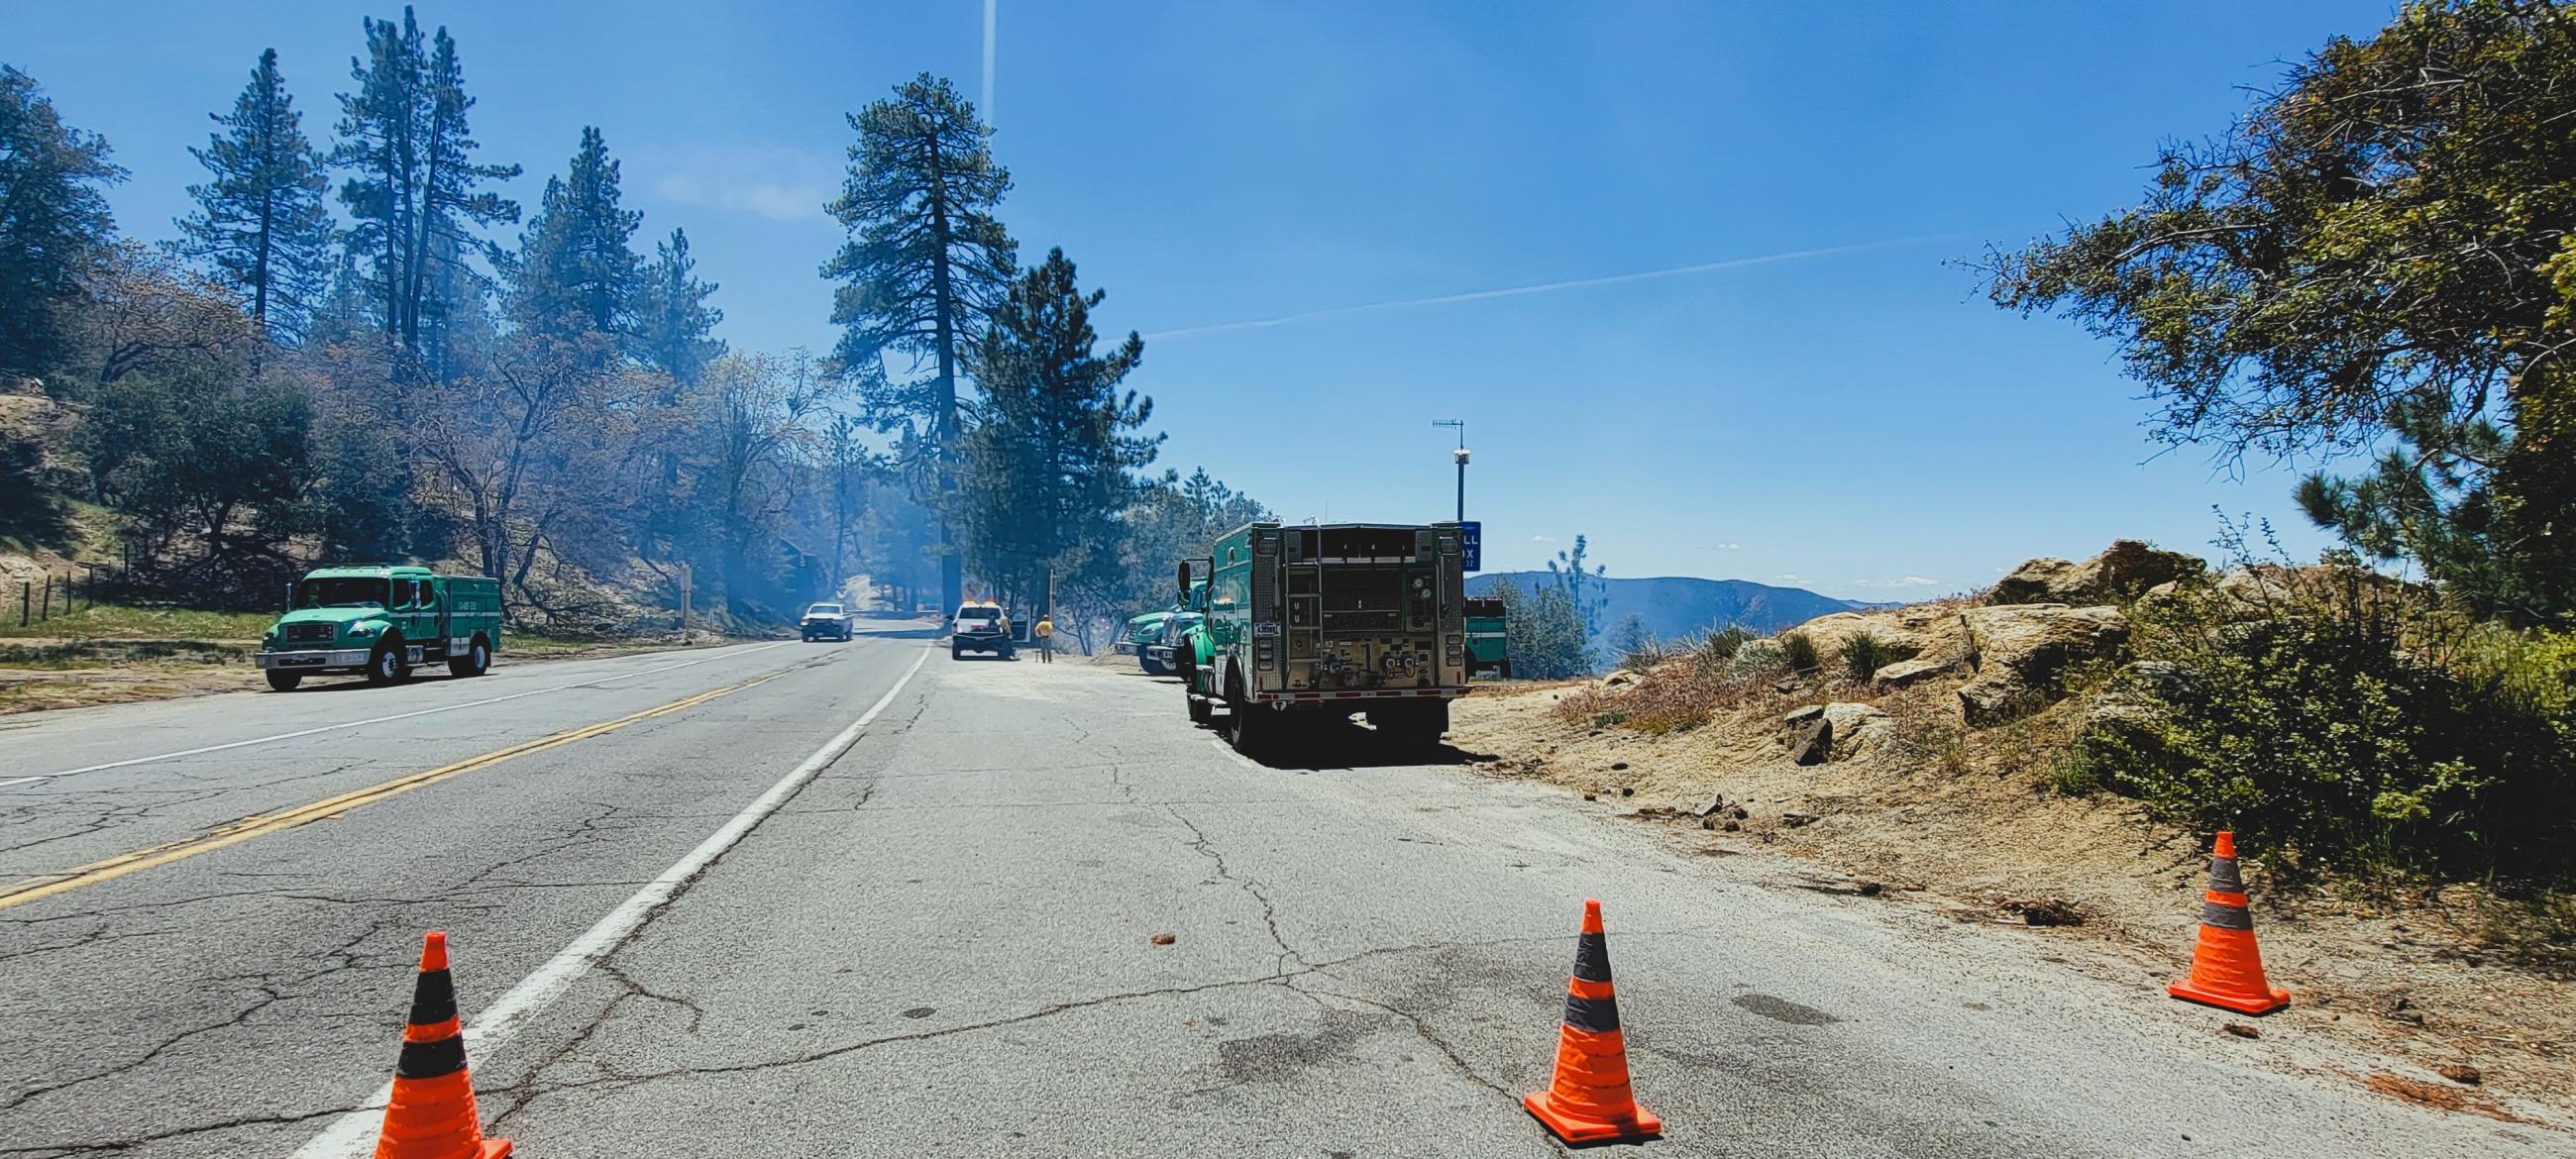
[[370, 628]]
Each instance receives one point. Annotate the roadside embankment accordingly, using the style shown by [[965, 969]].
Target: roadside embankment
[[1933, 766]]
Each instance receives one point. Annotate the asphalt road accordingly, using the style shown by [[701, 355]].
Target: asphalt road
[[847, 900]]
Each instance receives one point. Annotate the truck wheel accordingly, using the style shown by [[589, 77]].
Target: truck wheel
[[284, 681], [385, 665], [956, 652], [476, 661], [1200, 713], [1247, 727], [1150, 666]]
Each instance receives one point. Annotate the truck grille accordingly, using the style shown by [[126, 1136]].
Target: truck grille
[[310, 631]]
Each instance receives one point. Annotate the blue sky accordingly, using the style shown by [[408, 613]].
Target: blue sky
[[1854, 417]]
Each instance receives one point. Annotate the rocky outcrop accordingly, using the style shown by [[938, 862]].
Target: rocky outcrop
[[1904, 673], [2021, 652], [2122, 571]]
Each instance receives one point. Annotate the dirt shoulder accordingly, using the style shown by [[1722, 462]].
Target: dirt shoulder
[[42, 673], [2454, 998]]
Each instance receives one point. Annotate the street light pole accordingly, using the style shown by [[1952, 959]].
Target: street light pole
[[1461, 455]]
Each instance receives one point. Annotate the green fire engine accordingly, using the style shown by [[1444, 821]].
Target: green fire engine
[[1307, 624], [383, 621]]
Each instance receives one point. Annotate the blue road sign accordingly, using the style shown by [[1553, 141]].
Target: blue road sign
[[1471, 545]]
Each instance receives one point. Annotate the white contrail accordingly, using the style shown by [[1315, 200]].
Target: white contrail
[[1547, 287], [987, 107]]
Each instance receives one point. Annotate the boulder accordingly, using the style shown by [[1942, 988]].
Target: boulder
[[1813, 744], [1909, 672], [1798, 716], [1905, 634], [2253, 591], [2035, 581], [1857, 729], [2021, 650], [2122, 571]]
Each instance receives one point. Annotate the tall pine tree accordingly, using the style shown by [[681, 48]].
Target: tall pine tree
[[404, 135], [575, 271], [925, 260], [674, 325], [54, 223], [260, 222], [1051, 460]]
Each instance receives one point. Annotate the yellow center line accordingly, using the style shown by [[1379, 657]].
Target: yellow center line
[[259, 825]]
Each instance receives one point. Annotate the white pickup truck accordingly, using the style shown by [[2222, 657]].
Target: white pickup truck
[[825, 622]]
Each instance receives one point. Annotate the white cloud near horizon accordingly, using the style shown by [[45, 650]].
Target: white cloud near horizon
[[1546, 287], [1911, 581], [1730, 547], [774, 181]]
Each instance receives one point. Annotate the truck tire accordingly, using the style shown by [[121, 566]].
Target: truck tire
[[956, 652], [386, 665], [284, 681], [476, 661], [1200, 713], [1151, 668], [1247, 727]]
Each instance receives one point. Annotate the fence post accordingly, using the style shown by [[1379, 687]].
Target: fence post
[[90, 589], [48, 613], [25, 593]]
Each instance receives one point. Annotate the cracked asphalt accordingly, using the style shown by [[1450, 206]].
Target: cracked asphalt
[[944, 943]]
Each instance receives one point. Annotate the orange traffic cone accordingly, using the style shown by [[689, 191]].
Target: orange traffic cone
[[1588, 1101], [432, 1112], [2226, 967]]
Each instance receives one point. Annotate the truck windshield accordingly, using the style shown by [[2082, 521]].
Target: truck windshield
[[340, 593], [824, 610]]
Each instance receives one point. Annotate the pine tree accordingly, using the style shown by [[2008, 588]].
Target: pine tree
[[1052, 456], [54, 223], [674, 325], [261, 221], [575, 270], [403, 131], [925, 260]]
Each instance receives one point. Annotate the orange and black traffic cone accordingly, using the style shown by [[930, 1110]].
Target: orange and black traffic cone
[[1588, 1100], [432, 1113], [2226, 967]]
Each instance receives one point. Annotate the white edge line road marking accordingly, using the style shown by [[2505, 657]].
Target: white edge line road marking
[[351, 1134], [216, 748]]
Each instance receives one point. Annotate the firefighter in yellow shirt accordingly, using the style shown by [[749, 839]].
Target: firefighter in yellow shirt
[[1045, 632]]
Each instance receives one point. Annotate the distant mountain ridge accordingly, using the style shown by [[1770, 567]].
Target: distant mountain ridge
[[1678, 606]]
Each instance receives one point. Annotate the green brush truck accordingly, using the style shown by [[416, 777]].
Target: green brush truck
[[1308, 624], [1488, 637], [383, 621]]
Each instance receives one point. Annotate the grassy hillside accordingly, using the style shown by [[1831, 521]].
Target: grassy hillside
[[1678, 606]]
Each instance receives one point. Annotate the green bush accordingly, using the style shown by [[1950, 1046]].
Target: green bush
[[1799, 650], [1757, 658], [1863, 654], [2351, 725], [1713, 655]]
